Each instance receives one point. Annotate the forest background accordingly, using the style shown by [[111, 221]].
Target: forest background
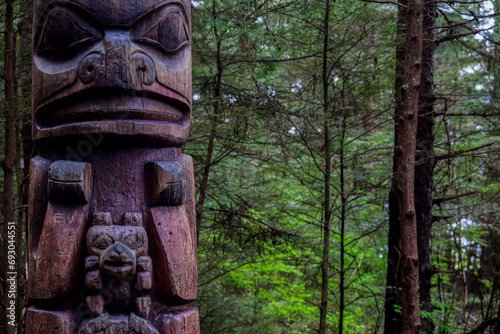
[[293, 139]]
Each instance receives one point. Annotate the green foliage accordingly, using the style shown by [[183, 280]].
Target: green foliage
[[260, 239]]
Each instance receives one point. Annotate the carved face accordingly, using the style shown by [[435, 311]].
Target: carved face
[[121, 68], [117, 247]]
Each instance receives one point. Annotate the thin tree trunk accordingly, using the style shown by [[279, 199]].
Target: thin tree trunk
[[496, 93], [24, 28], [405, 173], [496, 59], [8, 163], [327, 180], [425, 158], [392, 324], [213, 126], [342, 228]]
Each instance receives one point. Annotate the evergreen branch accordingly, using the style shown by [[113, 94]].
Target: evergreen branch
[[440, 200], [465, 114], [461, 152], [225, 272], [386, 2]]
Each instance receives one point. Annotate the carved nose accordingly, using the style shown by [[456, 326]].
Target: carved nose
[[119, 248], [116, 254], [92, 66], [117, 66], [143, 68], [116, 53]]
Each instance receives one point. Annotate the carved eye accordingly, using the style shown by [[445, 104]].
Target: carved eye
[[102, 242], [133, 242], [63, 33], [170, 35]]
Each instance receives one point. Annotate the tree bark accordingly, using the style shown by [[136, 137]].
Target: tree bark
[[405, 172], [342, 227], [25, 33], [327, 180], [425, 158], [8, 163], [392, 324]]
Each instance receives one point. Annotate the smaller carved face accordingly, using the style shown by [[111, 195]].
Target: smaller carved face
[[117, 247]]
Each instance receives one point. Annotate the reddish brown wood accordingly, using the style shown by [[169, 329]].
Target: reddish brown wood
[[112, 225], [405, 171], [48, 321], [187, 164], [180, 322], [58, 262], [70, 182], [175, 254]]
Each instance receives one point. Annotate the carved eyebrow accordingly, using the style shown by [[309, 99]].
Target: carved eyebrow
[[158, 8], [149, 20], [74, 7], [82, 17], [124, 233], [106, 234]]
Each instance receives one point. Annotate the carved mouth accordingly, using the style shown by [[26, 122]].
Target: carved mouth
[[118, 267], [89, 108]]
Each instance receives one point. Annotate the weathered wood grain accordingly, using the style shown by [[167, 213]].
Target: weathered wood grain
[[51, 322], [165, 183], [173, 254], [190, 203], [70, 182], [179, 322], [58, 262], [37, 208]]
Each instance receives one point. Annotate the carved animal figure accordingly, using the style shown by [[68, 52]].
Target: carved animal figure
[[118, 259]]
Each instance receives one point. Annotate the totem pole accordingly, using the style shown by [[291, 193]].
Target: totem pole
[[111, 243]]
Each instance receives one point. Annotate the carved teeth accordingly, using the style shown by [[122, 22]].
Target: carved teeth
[[118, 264], [121, 270]]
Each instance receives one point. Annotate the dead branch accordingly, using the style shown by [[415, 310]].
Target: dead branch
[[461, 152], [485, 324], [386, 2], [440, 200], [439, 218]]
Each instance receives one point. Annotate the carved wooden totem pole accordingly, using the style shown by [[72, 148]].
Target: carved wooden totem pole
[[111, 244]]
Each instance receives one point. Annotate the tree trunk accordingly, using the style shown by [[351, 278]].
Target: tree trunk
[[405, 172], [392, 324], [213, 125], [25, 32], [327, 181], [425, 159], [496, 55], [342, 227], [8, 163]]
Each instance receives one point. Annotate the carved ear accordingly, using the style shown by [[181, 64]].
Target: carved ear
[[132, 219], [102, 219]]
